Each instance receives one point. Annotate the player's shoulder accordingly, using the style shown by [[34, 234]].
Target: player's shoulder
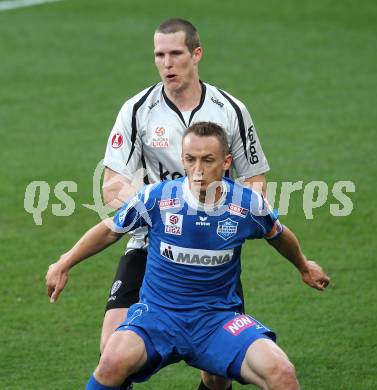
[[144, 97], [223, 98], [150, 191], [237, 185], [243, 195]]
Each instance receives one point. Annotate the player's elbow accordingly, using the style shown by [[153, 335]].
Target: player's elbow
[[107, 194], [110, 198]]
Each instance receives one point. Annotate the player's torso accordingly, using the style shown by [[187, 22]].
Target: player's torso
[[195, 253], [160, 127]]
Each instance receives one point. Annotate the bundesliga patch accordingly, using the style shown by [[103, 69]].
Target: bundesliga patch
[[238, 324], [160, 138], [226, 228], [169, 203], [173, 224], [117, 140], [237, 210]]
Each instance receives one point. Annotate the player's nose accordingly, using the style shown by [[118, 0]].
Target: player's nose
[[198, 172], [168, 63]]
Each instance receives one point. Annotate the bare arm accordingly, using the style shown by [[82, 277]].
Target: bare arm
[[116, 189], [93, 241], [311, 273]]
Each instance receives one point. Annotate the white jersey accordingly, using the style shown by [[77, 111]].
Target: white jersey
[[148, 134]]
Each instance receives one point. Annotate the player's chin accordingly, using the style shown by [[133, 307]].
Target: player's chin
[[199, 187]]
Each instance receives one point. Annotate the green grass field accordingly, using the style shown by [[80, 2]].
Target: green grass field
[[306, 71]]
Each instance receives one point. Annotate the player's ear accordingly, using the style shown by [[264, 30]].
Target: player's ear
[[227, 162], [197, 54]]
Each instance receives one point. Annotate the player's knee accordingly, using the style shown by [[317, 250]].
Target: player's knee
[[282, 375], [111, 370]]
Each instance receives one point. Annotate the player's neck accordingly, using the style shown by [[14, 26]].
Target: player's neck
[[188, 97]]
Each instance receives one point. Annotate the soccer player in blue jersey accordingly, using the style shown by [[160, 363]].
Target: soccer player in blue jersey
[[189, 308]]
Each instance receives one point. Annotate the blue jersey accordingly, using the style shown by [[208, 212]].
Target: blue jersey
[[194, 248]]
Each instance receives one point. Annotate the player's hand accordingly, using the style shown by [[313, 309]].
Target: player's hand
[[315, 276], [56, 279]]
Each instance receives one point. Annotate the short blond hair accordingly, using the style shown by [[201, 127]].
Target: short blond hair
[[174, 25]]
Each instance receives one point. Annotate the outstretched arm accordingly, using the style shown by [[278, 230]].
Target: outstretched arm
[[93, 241], [311, 273]]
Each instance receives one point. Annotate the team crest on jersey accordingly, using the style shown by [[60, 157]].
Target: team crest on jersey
[[226, 228], [117, 140], [237, 210], [160, 138], [169, 203], [173, 224]]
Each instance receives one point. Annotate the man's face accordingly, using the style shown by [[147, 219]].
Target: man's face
[[176, 65], [204, 162]]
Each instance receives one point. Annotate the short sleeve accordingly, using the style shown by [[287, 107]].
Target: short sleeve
[[123, 150], [248, 156], [264, 218], [137, 212]]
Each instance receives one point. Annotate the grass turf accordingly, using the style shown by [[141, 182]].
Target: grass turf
[[306, 72]]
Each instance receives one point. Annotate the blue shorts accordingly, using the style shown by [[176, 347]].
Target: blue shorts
[[215, 342]]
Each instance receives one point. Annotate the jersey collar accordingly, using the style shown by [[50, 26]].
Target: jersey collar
[[175, 108], [195, 204]]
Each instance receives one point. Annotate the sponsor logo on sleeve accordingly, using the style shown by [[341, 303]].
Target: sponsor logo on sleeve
[[122, 216], [173, 224], [253, 158], [226, 228], [192, 256], [117, 140], [237, 210], [169, 203], [160, 138]]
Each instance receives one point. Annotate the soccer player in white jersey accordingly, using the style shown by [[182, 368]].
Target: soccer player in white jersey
[[148, 134], [189, 308]]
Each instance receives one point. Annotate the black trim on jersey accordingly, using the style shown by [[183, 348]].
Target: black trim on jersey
[[176, 109], [173, 106], [241, 124], [145, 178], [200, 103], [136, 106]]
